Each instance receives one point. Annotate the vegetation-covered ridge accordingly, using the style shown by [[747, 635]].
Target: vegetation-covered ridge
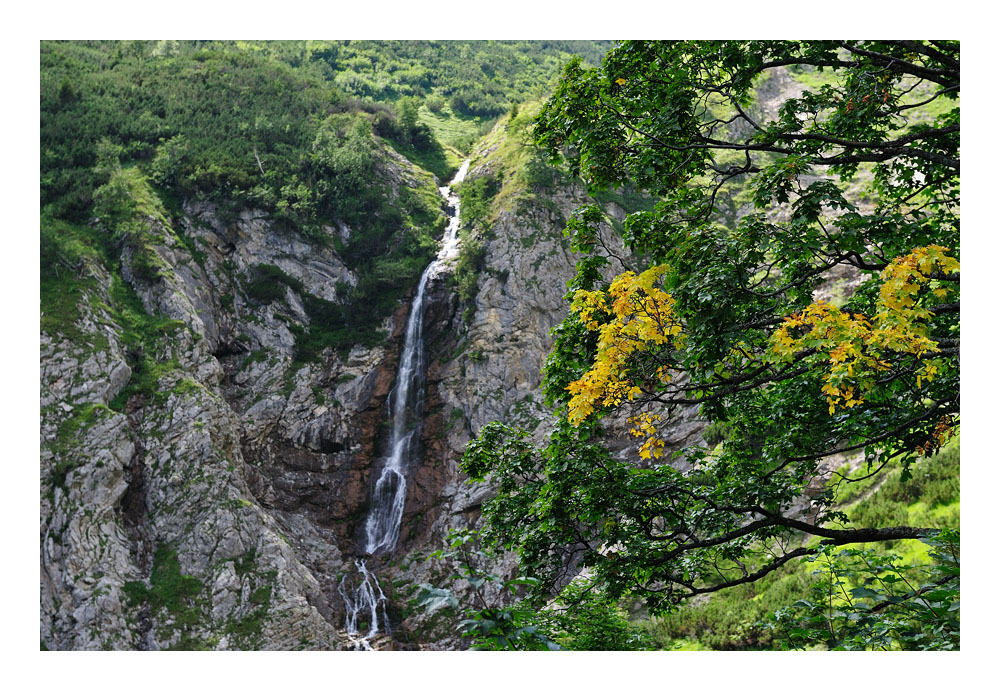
[[765, 203], [461, 87], [130, 130], [296, 129]]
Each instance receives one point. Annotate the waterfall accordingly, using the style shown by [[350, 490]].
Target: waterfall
[[405, 406], [366, 599]]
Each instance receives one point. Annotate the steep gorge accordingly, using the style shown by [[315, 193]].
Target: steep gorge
[[224, 507]]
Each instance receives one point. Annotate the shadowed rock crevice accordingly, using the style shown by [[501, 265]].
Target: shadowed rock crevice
[[134, 508]]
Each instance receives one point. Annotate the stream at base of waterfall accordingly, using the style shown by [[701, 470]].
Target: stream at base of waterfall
[[366, 603]]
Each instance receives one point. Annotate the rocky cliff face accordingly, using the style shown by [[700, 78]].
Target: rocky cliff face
[[212, 507], [161, 522], [151, 535]]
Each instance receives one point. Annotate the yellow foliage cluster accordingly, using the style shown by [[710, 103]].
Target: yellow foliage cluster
[[643, 425], [857, 347], [641, 317], [904, 278]]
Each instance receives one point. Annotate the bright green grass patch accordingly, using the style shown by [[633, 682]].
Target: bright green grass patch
[[518, 167], [67, 253], [60, 304], [728, 620], [458, 134], [935, 482]]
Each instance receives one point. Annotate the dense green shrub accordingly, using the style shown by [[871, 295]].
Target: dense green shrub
[[539, 175], [226, 106], [168, 587], [486, 75], [715, 433], [269, 283], [585, 618], [434, 103], [473, 102], [476, 197]]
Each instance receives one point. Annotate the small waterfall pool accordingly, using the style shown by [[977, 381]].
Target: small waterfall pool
[[405, 407]]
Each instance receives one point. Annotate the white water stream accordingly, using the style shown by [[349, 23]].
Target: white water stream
[[405, 408]]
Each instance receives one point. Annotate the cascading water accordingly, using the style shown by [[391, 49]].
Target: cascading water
[[405, 408]]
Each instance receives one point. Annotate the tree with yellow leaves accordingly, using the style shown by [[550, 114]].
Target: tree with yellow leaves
[[727, 308]]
